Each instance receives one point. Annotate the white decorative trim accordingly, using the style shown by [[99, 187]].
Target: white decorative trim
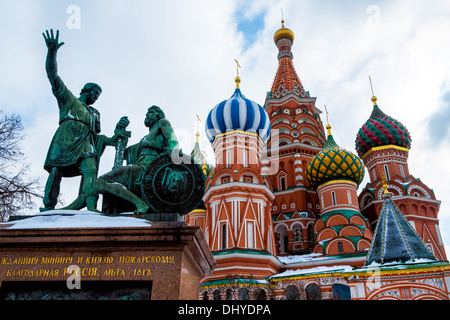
[[363, 199], [239, 184], [422, 189]]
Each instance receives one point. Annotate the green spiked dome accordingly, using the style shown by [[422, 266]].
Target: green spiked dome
[[381, 130], [334, 163], [395, 240]]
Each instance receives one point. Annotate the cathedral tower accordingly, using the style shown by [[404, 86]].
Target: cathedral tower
[[383, 143], [336, 173], [297, 136], [238, 200]]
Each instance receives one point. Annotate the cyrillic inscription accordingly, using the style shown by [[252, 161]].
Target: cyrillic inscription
[[88, 266]]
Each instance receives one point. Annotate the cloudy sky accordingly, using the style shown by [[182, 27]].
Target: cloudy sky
[[180, 55]]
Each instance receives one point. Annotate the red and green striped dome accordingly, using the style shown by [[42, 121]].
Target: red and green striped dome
[[381, 130]]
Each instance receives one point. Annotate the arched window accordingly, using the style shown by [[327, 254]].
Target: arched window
[[205, 295], [286, 243], [224, 236], [282, 183], [229, 295], [333, 197], [340, 247], [243, 294], [228, 159], [291, 292], [282, 238], [401, 171], [313, 292], [216, 295], [298, 234], [386, 172], [250, 242], [311, 232], [260, 294]]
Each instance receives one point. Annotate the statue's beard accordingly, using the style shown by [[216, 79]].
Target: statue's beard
[[90, 100], [150, 122]]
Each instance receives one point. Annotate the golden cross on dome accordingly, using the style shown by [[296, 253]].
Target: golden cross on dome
[[374, 99], [198, 121], [237, 67], [326, 112], [237, 79], [197, 134], [328, 123]]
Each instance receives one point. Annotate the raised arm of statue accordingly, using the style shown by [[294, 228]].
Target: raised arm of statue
[[51, 66]]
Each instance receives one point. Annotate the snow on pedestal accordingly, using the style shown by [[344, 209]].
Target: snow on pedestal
[[74, 219]]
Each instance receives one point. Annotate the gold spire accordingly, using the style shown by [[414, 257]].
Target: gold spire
[[374, 99], [204, 166], [197, 134], [328, 123], [384, 183], [237, 79]]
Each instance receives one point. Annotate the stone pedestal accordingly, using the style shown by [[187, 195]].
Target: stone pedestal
[[163, 261]]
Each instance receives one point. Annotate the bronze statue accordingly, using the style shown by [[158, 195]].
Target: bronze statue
[[121, 181], [158, 177], [76, 145]]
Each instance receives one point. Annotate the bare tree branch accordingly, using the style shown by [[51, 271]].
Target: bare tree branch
[[18, 191]]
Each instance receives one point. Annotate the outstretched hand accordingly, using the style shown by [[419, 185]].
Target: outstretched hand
[[51, 41]]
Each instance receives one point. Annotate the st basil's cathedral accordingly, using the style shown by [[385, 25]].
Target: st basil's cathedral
[[281, 210]]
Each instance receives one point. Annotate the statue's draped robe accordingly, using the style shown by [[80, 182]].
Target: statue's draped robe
[[77, 135]]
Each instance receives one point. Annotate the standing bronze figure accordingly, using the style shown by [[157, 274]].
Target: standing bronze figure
[[76, 145]]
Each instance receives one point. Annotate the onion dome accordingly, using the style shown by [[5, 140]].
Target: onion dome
[[334, 163], [283, 33], [238, 113], [381, 130]]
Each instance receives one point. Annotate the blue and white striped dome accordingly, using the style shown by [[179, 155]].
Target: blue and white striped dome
[[238, 113]]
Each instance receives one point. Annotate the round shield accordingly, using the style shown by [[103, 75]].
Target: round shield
[[169, 187]]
